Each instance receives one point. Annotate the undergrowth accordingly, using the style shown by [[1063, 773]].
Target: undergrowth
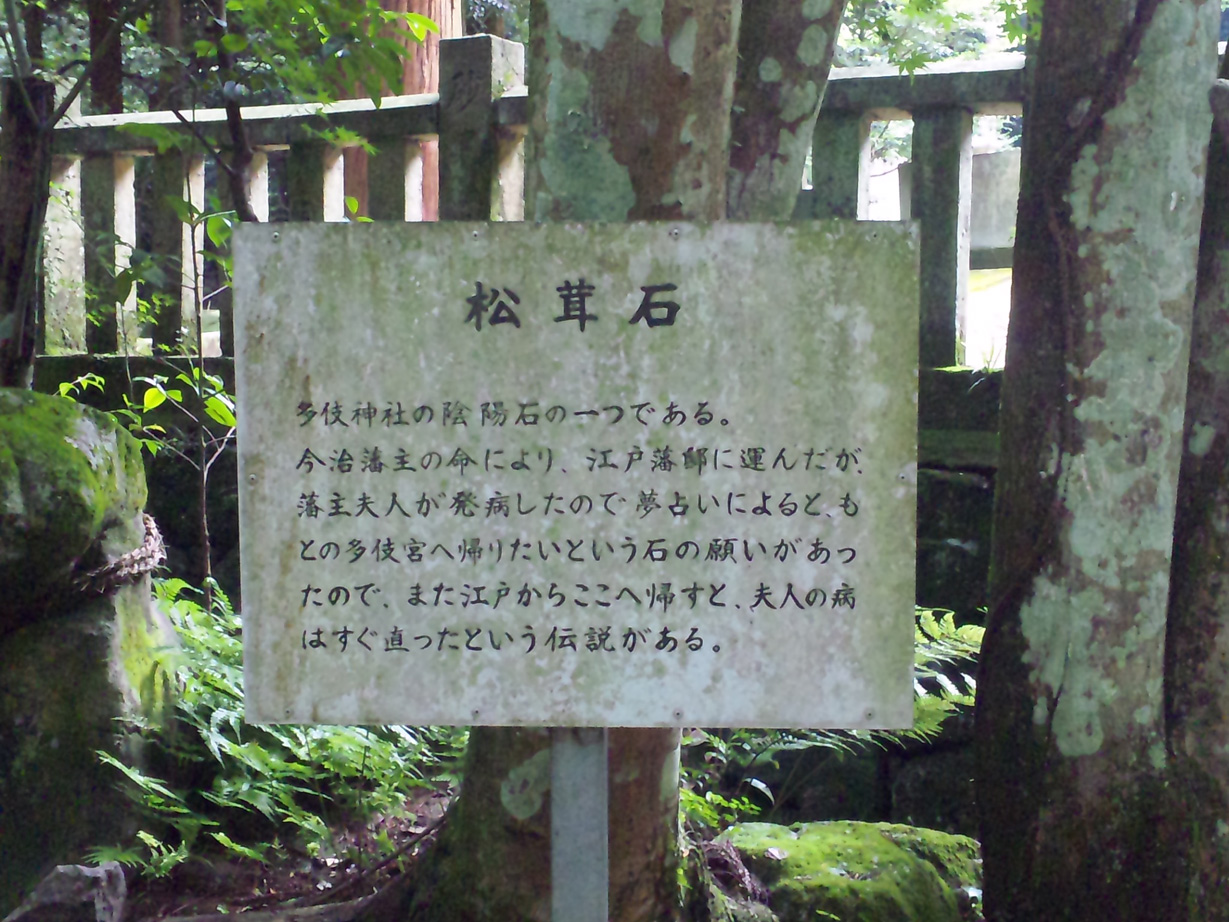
[[214, 784], [732, 775]]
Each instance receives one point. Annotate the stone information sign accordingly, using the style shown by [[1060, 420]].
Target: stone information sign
[[623, 475]]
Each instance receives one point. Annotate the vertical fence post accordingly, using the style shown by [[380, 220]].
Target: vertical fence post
[[315, 180], [108, 204], [63, 329], [942, 178], [258, 199], [474, 71], [388, 179], [508, 196], [840, 156], [177, 175]]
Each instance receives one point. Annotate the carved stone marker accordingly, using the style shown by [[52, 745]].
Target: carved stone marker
[[625, 475]]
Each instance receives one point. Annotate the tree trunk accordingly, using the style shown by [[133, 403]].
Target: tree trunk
[[602, 148], [25, 174], [1197, 668], [784, 55], [1070, 718], [633, 155], [106, 80], [420, 73]]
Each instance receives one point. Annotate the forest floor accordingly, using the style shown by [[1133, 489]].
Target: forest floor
[[356, 867]]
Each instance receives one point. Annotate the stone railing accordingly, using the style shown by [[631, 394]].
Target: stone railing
[[479, 118], [942, 101]]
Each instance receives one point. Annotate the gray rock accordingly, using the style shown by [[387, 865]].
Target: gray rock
[[74, 893]]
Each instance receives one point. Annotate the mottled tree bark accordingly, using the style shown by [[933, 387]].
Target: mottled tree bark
[[630, 111], [630, 120], [784, 55], [493, 859], [1197, 643], [1070, 719]]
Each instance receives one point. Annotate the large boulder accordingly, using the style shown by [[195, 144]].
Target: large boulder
[[72, 490], [82, 648], [860, 872]]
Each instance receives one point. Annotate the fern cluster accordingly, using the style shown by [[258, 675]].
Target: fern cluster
[[214, 783], [723, 773]]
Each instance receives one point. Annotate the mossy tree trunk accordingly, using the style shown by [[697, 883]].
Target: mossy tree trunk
[[630, 120], [1077, 822], [1197, 644]]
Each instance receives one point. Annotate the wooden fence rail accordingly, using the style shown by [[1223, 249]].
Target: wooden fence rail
[[479, 117]]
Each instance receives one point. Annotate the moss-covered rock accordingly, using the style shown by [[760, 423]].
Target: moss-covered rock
[[68, 688], [72, 489], [76, 671], [860, 872]]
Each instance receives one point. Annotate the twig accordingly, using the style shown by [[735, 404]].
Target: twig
[[377, 868], [20, 53]]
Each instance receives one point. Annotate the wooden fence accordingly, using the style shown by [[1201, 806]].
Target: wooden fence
[[479, 117]]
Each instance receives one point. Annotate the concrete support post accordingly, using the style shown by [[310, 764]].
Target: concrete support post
[[474, 71], [840, 155], [63, 329], [108, 205], [315, 177], [579, 836], [942, 178], [177, 244]]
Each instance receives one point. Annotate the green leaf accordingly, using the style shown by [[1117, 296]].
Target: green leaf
[[229, 843], [154, 398], [218, 410], [204, 48], [420, 25], [234, 43], [761, 787], [219, 228], [184, 210]]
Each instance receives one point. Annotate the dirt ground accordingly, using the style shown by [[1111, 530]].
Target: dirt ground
[[353, 870]]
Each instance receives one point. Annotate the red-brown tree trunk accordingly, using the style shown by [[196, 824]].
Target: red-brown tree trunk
[[420, 74]]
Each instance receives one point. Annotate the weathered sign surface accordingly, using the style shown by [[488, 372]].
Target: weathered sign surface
[[625, 475]]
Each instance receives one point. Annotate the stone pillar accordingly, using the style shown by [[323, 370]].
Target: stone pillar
[[63, 328], [177, 243], [475, 176], [108, 205], [840, 154], [942, 190], [316, 181]]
